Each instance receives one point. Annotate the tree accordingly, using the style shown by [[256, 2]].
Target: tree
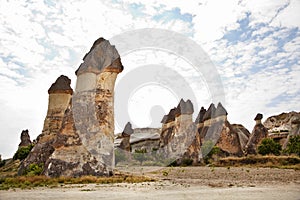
[[269, 146], [293, 145]]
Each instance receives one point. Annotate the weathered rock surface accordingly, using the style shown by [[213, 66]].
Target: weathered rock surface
[[25, 139], [259, 132]]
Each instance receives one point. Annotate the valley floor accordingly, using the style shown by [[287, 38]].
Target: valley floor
[[181, 183]]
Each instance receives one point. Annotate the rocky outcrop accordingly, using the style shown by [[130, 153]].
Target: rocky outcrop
[[259, 132], [281, 127], [78, 134], [25, 139]]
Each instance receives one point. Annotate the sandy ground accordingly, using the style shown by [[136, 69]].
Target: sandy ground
[[182, 183]]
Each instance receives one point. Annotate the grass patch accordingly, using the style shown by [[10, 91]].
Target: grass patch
[[28, 182]]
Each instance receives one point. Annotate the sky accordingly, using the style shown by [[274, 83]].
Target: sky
[[254, 45]]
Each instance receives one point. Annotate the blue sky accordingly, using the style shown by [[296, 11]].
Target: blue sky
[[255, 46]]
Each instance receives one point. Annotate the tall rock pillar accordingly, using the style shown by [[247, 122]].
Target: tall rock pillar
[[60, 94], [93, 101]]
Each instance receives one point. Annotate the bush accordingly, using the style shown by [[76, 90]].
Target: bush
[[34, 169], [293, 146], [23, 152], [269, 146]]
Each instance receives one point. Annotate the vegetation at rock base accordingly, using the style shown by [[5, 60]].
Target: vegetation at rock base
[[209, 151], [27, 182], [293, 146], [269, 146], [34, 169], [23, 152]]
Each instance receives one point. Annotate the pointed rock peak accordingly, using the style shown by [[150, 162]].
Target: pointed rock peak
[[259, 116], [61, 85], [200, 116], [220, 111], [102, 57], [210, 113], [128, 129], [184, 107]]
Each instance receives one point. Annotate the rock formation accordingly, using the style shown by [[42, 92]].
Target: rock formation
[[60, 94], [25, 139], [178, 133], [282, 127], [214, 128], [125, 143], [78, 134], [259, 132]]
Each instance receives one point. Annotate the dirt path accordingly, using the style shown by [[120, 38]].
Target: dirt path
[[182, 183]]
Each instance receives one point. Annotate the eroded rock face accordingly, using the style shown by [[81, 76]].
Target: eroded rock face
[[25, 139], [259, 132]]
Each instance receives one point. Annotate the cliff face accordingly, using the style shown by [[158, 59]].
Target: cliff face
[[78, 134]]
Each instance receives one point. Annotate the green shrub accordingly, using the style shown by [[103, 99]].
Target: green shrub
[[293, 146], [269, 146], [23, 152], [34, 169]]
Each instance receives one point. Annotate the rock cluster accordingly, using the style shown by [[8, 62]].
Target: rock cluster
[[180, 138], [78, 133]]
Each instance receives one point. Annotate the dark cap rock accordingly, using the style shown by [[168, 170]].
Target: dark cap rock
[[259, 116], [220, 111], [61, 85], [210, 113], [127, 130], [200, 116], [102, 56], [184, 108]]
